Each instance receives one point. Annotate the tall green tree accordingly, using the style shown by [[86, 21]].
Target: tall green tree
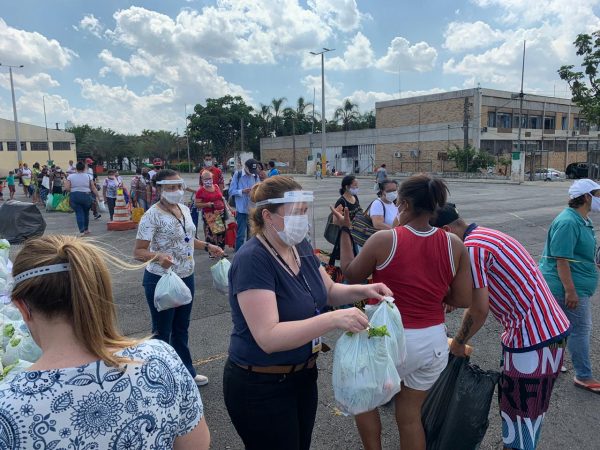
[[348, 114], [264, 117], [276, 118], [219, 122], [585, 84]]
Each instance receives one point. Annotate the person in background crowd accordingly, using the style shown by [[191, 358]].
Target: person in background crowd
[[34, 187], [109, 190], [327, 169], [81, 188], [10, 182], [349, 196], [2, 183], [57, 180], [241, 184], [277, 290], [216, 173], [507, 280], [272, 169], [44, 184], [383, 211], [88, 368], [380, 176], [209, 200], [569, 266], [139, 190], [425, 267], [91, 172], [262, 175], [26, 176], [165, 239], [71, 168], [319, 171]]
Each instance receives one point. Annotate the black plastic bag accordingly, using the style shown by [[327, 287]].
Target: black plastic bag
[[455, 412], [20, 221]]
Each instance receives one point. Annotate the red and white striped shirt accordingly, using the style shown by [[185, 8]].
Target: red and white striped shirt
[[520, 298]]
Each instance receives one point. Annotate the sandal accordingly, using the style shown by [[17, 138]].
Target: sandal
[[591, 387]]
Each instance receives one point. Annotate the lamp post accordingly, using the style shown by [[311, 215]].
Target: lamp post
[[47, 137], [187, 137], [12, 90], [323, 121]]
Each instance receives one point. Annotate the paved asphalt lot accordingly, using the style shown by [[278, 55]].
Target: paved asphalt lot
[[523, 211]]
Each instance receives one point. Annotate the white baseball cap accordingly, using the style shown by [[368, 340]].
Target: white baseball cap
[[583, 186]]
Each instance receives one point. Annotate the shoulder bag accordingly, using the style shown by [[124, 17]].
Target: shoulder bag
[[362, 225]]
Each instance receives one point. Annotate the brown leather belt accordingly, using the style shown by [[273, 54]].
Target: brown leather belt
[[309, 364]]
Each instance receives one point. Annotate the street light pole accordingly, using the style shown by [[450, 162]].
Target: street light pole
[[323, 120], [187, 136], [47, 137], [12, 90]]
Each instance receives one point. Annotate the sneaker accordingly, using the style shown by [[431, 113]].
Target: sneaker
[[201, 380], [96, 217]]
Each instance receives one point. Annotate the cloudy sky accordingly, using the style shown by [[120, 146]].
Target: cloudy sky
[[133, 67]]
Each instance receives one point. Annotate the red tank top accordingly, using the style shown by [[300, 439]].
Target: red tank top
[[419, 271]]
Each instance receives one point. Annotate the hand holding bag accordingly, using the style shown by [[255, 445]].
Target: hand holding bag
[[171, 292], [220, 274], [215, 222]]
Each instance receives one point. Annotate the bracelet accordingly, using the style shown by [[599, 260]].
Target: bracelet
[[206, 246], [346, 230]]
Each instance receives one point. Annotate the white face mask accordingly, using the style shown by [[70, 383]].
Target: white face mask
[[391, 196], [354, 191], [295, 229], [595, 204], [172, 197], [208, 163]]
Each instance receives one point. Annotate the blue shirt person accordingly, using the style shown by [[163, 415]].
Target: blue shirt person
[[272, 169], [241, 183]]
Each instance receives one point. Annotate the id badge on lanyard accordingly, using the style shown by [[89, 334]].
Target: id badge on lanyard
[[317, 343]]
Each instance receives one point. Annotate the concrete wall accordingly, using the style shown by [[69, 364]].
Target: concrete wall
[[424, 113], [426, 161], [28, 134]]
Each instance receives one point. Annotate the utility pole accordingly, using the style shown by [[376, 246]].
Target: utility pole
[[465, 126], [323, 121], [294, 144], [242, 134], [12, 90], [47, 137], [187, 136], [521, 95]]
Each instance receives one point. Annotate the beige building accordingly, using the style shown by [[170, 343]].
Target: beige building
[[414, 134], [36, 146]]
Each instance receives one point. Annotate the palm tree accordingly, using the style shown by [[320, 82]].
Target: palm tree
[[347, 113], [264, 116], [276, 116]]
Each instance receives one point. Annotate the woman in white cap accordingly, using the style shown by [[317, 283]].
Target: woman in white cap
[[568, 265]]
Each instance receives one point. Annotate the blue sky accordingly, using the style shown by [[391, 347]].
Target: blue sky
[[131, 67]]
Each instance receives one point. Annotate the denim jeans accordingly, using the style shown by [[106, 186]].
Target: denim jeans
[[271, 411], [81, 203], [110, 202], [171, 325], [242, 230], [578, 342]]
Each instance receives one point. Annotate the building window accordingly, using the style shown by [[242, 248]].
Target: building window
[[12, 146], [491, 119], [549, 123], [523, 121], [39, 145], [563, 123], [504, 120], [576, 123], [1, 146], [61, 146], [535, 122]]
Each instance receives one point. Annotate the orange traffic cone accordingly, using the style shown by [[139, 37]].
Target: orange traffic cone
[[121, 218]]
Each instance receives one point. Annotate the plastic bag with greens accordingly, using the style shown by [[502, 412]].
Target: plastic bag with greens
[[364, 373], [386, 313], [21, 347], [220, 274]]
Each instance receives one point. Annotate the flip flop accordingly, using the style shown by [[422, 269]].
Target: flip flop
[[592, 387]]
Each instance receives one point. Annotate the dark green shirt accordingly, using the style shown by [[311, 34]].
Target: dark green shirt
[[571, 237]]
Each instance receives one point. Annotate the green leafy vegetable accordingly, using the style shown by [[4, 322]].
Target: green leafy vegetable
[[17, 340], [9, 330], [381, 331]]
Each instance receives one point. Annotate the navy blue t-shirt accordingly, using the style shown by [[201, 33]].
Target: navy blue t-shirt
[[254, 267]]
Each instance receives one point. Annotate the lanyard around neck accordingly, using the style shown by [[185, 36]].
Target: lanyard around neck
[[186, 239]]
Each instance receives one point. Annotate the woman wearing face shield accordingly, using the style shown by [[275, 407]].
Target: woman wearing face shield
[[277, 290], [384, 210], [425, 267], [165, 239]]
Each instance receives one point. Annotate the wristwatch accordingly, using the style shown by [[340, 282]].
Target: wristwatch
[[206, 246]]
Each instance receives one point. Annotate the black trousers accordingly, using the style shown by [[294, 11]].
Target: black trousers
[[271, 412]]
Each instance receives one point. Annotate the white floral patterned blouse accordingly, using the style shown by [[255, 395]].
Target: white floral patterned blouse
[[97, 407], [166, 235]]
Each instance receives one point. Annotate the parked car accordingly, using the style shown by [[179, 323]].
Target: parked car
[[582, 170], [548, 174]]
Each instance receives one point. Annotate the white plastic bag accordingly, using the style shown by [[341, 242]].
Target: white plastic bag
[[21, 347], [364, 374], [102, 206], [49, 202], [171, 292], [386, 313], [220, 274]]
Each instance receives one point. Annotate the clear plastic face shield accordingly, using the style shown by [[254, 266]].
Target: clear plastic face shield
[[294, 220]]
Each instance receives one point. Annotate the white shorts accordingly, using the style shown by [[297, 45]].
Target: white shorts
[[426, 356]]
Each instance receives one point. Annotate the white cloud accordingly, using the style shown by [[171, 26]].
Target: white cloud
[[358, 55], [25, 83], [366, 100], [462, 36], [405, 57], [92, 24], [31, 48], [341, 14]]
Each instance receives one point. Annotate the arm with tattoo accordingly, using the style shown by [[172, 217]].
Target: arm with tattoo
[[474, 317]]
